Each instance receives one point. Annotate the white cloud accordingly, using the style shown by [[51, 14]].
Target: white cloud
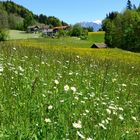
[[97, 21]]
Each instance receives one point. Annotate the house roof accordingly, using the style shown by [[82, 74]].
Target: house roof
[[99, 45]]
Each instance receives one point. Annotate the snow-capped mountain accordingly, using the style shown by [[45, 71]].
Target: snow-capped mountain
[[95, 24]]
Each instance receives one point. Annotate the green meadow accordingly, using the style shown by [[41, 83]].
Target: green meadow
[[61, 89]]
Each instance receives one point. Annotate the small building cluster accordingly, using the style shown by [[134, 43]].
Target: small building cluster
[[45, 29]]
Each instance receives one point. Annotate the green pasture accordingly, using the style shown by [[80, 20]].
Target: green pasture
[[61, 93], [15, 34]]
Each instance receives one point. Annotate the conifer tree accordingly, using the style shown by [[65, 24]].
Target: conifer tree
[[129, 5]]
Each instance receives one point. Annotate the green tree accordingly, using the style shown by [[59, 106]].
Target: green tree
[[28, 21], [129, 5], [76, 30]]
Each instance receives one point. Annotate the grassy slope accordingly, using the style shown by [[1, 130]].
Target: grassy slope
[[34, 106], [15, 34], [93, 37], [34, 103]]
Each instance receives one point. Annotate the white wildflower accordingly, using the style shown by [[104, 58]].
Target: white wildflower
[[77, 98], [66, 87], [120, 108], [61, 101], [134, 118], [108, 111], [21, 69], [87, 111], [47, 120], [77, 125], [121, 117], [73, 89], [124, 85], [80, 135], [70, 73], [102, 125], [43, 95], [50, 107], [114, 80], [56, 82], [1, 68]]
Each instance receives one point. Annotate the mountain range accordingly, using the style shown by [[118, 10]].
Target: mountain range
[[96, 25]]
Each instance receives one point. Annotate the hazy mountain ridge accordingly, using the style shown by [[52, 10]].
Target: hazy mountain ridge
[[96, 26]]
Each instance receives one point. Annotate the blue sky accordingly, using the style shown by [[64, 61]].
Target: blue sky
[[73, 11]]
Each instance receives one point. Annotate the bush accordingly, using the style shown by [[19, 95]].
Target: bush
[[3, 35]]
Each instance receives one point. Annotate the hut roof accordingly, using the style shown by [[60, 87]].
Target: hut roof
[[99, 45]]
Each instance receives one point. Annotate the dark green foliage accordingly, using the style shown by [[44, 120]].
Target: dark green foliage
[[78, 31], [129, 5], [3, 35], [123, 30], [89, 29]]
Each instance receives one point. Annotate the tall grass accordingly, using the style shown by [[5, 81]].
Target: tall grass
[[58, 94]]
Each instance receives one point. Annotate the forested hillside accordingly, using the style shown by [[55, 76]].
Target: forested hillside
[[15, 16], [123, 29]]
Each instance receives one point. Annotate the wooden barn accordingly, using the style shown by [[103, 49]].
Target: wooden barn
[[99, 45]]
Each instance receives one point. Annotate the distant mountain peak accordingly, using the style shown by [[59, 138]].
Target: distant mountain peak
[[97, 24]]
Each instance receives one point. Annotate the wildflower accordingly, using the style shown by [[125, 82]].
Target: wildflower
[[21, 69], [134, 118], [43, 95], [47, 120], [61, 101], [77, 125], [50, 107], [114, 80], [120, 108], [70, 73], [66, 87], [108, 111], [76, 98], [87, 111], [124, 85], [80, 135], [73, 89], [56, 82], [121, 117], [1, 68], [42, 63], [102, 125]]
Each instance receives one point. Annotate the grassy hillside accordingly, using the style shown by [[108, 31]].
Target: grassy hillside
[[15, 34], [67, 42], [96, 37], [68, 93]]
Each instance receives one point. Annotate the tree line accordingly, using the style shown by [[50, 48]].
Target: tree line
[[15, 16], [122, 30]]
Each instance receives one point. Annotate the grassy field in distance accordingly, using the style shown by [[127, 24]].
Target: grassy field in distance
[[15, 34], [74, 42]]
